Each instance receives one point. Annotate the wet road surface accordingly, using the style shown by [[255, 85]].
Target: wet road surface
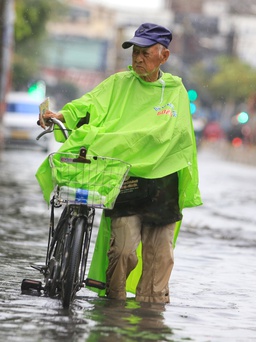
[[212, 286]]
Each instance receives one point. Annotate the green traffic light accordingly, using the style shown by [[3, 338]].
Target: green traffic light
[[32, 88], [192, 108], [242, 117], [37, 89], [192, 95]]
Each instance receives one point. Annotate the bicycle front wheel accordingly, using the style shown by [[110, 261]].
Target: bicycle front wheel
[[70, 283]]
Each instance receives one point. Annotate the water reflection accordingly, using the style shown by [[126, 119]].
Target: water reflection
[[127, 321]]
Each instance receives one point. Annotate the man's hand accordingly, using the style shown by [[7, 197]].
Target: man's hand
[[44, 121]]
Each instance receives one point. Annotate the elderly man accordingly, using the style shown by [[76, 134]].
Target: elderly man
[[141, 116]]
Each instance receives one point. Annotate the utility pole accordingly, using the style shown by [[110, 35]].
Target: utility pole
[[6, 45]]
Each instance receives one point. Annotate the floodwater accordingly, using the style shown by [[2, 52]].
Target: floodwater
[[212, 285]]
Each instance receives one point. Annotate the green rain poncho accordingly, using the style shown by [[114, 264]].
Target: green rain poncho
[[147, 124]]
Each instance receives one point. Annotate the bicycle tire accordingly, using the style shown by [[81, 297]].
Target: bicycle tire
[[72, 253], [56, 254], [52, 285]]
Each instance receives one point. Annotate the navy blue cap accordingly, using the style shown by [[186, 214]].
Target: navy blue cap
[[149, 34]]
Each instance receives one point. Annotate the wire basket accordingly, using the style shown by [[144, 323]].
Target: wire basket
[[91, 180]]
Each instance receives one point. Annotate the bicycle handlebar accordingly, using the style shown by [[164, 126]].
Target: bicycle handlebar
[[50, 129]]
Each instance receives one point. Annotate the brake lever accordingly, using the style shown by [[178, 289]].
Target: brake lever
[[48, 130]]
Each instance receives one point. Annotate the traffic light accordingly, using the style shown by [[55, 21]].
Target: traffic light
[[37, 90], [242, 117], [237, 142], [192, 95]]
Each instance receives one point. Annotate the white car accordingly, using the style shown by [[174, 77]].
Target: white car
[[20, 127]]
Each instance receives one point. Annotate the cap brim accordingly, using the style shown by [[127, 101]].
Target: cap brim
[[142, 42]]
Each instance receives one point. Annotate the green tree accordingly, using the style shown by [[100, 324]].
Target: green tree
[[235, 81], [228, 80], [29, 29]]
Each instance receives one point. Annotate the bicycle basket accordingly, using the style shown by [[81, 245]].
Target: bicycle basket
[[96, 182]]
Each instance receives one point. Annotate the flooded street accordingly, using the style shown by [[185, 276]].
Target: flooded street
[[213, 295]]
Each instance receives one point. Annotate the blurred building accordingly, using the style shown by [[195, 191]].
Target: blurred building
[[79, 46], [84, 46], [206, 28]]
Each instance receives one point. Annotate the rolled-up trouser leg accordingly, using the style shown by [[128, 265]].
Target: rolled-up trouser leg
[[125, 238], [158, 260]]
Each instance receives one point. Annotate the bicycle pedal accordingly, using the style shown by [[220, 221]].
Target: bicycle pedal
[[40, 268], [95, 283], [29, 285]]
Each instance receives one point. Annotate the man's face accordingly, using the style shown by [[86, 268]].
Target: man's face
[[147, 60]]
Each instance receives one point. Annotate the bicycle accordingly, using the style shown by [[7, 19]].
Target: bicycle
[[82, 184]]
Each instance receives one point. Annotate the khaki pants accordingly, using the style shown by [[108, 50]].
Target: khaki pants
[[157, 256]]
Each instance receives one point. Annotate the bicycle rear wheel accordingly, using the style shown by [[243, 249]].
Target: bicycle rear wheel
[[70, 282]]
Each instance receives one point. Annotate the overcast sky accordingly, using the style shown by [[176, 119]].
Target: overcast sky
[[131, 4]]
